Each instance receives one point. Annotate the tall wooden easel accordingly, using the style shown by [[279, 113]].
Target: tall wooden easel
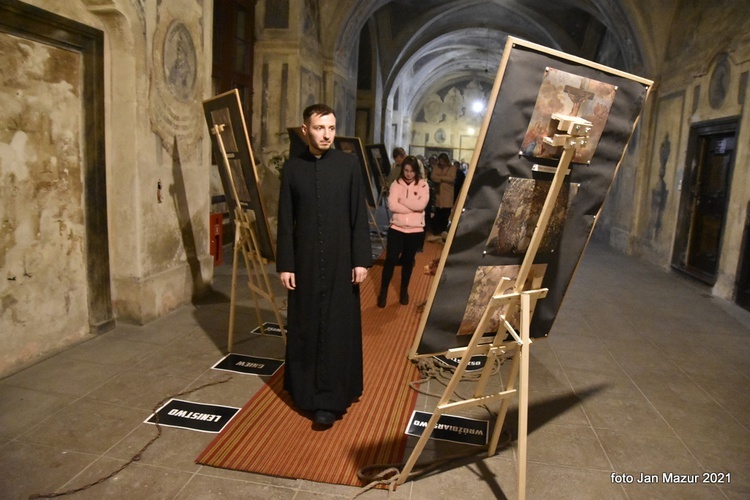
[[246, 242], [382, 200], [572, 132], [374, 224], [383, 194], [371, 211]]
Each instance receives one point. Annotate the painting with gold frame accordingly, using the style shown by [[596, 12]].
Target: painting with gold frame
[[353, 145], [225, 109], [377, 157]]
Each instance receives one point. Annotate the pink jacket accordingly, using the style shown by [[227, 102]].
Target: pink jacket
[[407, 203]]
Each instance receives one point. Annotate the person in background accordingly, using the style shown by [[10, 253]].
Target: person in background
[[422, 172], [323, 248], [407, 200], [398, 156], [430, 210], [444, 177], [460, 178], [432, 162]]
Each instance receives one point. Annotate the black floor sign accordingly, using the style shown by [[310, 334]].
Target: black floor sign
[[248, 364], [270, 329], [475, 363], [450, 428], [193, 416]]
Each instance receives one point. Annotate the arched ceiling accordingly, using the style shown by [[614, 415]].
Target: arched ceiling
[[474, 54], [565, 23], [425, 45]]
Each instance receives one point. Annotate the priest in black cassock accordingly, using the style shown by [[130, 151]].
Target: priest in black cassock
[[323, 252]]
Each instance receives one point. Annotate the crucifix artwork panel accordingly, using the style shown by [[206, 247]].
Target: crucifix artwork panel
[[572, 95]]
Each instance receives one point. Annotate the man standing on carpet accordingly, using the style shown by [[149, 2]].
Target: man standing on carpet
[[323, 252]]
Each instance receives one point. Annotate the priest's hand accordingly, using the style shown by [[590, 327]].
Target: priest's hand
[[358, 275], [287, 279]]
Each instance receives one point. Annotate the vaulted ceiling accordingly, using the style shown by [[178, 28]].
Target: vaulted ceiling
[[432, 44]]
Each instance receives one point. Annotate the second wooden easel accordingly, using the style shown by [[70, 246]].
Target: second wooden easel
[[572, 133], [246, 243]]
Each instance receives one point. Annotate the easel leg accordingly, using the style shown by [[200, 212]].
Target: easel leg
[[523, 394], [233, 294], [420, 447], [374, 223], [509, 385], [271, 295], [252, 264]]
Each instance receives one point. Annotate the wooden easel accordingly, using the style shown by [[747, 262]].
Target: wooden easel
[[372, 210], [374, 224], [574, 132], [382, 200], [383, 194], [246, 242]]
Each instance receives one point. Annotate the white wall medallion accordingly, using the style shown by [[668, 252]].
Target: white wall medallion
[[179, 61], [176, 77], [440, 136]]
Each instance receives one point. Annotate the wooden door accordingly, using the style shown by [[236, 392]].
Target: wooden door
[[233, 47], [703, 207]]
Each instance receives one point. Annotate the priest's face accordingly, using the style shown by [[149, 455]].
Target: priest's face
[[320, 131]]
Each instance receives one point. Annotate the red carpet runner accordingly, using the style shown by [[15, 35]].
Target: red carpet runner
[[269, 437]]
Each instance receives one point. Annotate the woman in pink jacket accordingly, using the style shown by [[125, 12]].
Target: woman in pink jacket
[[407, 199]]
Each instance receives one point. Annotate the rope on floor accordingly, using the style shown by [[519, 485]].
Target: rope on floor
[[432, 369], [388, 474], [138, 455]]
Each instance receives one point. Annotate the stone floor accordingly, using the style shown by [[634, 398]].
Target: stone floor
[[643, 373]]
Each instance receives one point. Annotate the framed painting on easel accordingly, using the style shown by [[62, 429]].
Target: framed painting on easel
[[377, 157], [225, 109], [353, 145], [508, 180], [520, 229]]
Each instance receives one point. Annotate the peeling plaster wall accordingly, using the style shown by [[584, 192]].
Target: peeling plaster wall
[[170, 150], [156, 73], [43, 289], [155, 136]]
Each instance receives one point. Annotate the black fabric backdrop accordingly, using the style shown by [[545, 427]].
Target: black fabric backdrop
[[499, 160]]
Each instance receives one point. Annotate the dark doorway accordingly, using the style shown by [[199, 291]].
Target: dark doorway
[[233, 47], [705, 193]]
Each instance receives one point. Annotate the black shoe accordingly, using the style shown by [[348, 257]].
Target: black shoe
[[324, 417], [404, 298], [382, 299]]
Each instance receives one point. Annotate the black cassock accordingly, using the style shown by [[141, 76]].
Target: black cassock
[[323, 233]]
